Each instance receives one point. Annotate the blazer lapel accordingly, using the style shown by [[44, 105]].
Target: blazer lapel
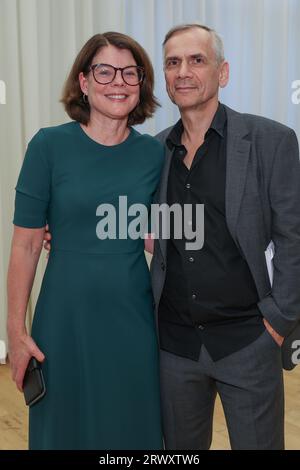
[[162, 198], [238, 152]]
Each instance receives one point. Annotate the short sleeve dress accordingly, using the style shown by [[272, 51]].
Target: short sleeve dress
[[94, 317]]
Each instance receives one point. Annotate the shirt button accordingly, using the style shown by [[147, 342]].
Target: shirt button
[[188, 186], [191, 259], [194, 297]]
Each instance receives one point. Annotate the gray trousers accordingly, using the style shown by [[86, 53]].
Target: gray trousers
[[250, 385]]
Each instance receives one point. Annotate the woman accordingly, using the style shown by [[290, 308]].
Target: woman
[[94, 325]]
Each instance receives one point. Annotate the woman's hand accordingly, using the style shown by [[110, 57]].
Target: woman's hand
[[149, 243], [21, 348], [25, 252]]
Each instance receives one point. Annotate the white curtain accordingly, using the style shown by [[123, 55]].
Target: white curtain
[[39, 40]]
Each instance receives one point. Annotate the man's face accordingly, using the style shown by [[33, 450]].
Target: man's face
[[192, 74]]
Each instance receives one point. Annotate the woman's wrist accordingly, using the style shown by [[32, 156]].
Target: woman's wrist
[[15, 330]]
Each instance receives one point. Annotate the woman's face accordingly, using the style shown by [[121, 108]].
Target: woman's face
[[115, 100]]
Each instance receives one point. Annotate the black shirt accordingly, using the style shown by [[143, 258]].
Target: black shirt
[[209, 294]]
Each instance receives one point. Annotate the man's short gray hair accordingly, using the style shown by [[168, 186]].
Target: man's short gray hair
[[216, 39]]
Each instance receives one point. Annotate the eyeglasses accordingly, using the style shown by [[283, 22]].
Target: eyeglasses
[[105, 73]]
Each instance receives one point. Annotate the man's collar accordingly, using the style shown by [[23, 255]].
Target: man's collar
[[218, 124], [219, 120]]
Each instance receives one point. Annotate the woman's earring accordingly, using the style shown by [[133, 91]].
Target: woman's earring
[[85, 98]]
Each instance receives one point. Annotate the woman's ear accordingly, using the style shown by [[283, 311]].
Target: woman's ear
[[83, 83]]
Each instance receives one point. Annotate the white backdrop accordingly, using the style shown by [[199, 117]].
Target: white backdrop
[[40, 38]]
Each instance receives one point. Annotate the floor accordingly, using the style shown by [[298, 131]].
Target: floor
[[14, 420]]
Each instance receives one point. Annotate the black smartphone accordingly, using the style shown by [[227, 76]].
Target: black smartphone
[[33, 384]]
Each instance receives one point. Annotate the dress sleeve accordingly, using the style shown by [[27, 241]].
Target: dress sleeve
[[33, 186]]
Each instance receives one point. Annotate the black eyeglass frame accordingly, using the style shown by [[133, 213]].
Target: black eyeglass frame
[[140, 69]]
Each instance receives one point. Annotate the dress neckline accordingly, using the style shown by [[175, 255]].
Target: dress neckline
[[89, 139]]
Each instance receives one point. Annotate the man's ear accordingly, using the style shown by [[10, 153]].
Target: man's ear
[[83, 83], [224, 74]]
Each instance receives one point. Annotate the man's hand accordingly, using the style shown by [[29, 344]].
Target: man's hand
[[47, 240], [277, 338]]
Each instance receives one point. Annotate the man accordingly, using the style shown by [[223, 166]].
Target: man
[[221, 325]]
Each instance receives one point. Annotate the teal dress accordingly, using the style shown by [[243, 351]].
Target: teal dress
[[94, 318]]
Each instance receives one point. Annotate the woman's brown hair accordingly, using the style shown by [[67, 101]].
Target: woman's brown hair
[[72, 97]]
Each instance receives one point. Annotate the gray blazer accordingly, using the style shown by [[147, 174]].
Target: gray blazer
[[262, 201]]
